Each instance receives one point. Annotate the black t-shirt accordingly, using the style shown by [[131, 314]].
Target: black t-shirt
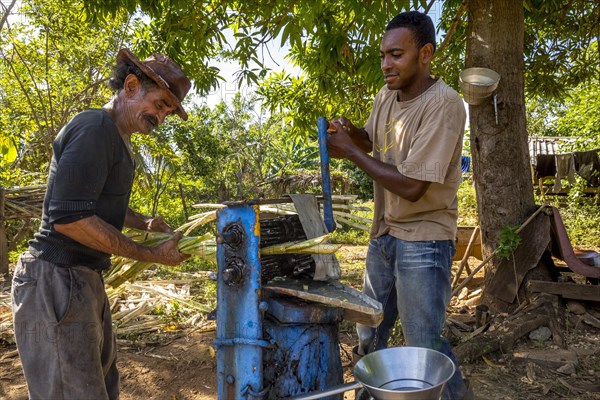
[[91, 173]]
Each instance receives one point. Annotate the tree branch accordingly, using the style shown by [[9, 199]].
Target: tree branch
[[6, 13], [453, 26]]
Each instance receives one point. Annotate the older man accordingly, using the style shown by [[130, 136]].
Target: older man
[[62, 317]]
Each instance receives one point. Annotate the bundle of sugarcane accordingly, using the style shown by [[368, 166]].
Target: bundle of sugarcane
[[125, 269], [134, 311], [205, 247], [341, 212]]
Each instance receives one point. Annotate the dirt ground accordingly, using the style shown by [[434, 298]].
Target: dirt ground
[[181, 365]]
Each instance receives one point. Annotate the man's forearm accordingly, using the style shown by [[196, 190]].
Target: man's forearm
[[389, 177], [95, 233], [360, 137]]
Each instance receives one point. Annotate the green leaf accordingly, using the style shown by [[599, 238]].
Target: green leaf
[[508, 241]]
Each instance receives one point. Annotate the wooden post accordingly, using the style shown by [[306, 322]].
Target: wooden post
[[463, 262], [3, 237]]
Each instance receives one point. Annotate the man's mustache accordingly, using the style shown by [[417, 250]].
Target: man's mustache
[[151, 119]]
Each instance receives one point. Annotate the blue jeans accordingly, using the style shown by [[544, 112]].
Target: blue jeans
[[412, 281]]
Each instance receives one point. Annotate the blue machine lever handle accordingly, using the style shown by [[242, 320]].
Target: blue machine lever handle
[[322, 125]]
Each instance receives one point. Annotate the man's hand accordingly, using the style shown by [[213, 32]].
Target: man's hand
[[340, 145], [345, 138], [339, 140], [167, 252], [340, 124], [157, 224], [143, 222]]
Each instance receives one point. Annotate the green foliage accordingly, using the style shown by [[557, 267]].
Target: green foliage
[[508, 241], [561, 42], [350, 236], [8, 151], [336, 44], [542, 115], [361, 183], [53, 64], [561, 45], [581, 217], [581, 117], [467, 204], [576, 115], [583, 223]]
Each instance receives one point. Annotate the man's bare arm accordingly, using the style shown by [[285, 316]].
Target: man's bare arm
[[95, 233], [347, 141], [389, 177]]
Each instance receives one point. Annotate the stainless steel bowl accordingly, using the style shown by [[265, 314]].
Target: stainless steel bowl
[[478, 84], [397, 373], [404, 373]]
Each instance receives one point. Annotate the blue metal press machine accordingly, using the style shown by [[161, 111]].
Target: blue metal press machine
[[269, 344]]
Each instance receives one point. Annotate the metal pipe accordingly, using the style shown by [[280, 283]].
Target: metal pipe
[[496, 108], [329, 392], [322, 125]]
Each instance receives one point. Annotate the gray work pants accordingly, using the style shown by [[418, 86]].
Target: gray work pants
[[63, 330]]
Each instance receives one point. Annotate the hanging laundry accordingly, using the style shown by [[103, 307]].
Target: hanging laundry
[[565, 168], [465, 164], [545, 166], [587, 165]]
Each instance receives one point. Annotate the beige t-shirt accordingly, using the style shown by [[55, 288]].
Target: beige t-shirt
[[423, 138]]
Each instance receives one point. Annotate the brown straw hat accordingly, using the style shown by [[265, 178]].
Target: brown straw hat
[[165, 72]]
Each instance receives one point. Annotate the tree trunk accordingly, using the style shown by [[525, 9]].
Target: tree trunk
[[501, 166]]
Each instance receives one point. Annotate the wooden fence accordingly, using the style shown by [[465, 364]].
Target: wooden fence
[[19, 203]]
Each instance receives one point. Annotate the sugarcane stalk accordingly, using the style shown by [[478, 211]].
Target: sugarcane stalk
[[197, 220], [309, 246], [277, 210], [324, 248], [352, 216], [148, 326], [124, 316], [208, 205], [356, 225]]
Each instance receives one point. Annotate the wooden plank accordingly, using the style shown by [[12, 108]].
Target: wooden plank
[[510, 272], [356, 305], [327, 266], [566, 289]]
